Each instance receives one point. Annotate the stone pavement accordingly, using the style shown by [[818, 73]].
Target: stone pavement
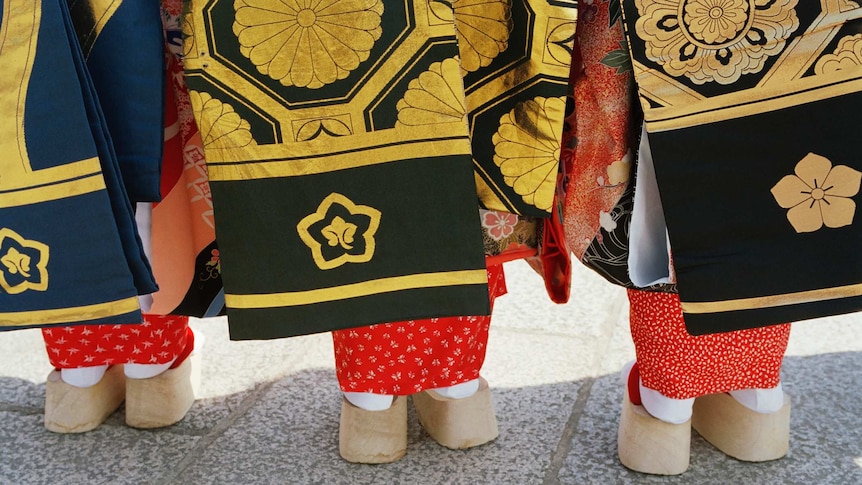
[[268, 410]]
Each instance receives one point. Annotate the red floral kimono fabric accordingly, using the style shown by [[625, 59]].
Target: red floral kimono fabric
[[157, 340], [404, 358], [682, 366]]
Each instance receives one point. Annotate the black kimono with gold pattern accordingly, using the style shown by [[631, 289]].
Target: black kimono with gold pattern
[[341, 139], [752, 109]]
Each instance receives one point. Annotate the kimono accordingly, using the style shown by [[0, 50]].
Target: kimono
[[749, 109], [345, 174], [298, 127], [68, 243], [76, 63], [602, 150], [178, 229]]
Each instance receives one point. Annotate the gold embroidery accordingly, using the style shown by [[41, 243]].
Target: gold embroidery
[[714, 40], [771, 301], [848, 55], [309, 130], [23, 263], [670, 102], [73, 314], [558, 43], [16, 262], [302, 43], [818, 194], [356, 290], [190, 47], [527, 149], [482, 26], [19, 183], [20, 21], [57, 190], [716, 21], [304, 161], [339, 233], [293, 114], [91, 16], [219, 124], [436, 96], [535, 62]]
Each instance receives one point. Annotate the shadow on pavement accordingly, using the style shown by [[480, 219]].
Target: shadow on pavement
[[285, 431]]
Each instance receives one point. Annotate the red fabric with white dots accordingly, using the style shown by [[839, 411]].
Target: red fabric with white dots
[[404, 358], [158, 340], [682, 366]]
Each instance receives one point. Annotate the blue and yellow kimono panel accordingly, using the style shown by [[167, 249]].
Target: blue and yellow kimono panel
[[752, 108], [63, 256], [123, 44], [340, 163]]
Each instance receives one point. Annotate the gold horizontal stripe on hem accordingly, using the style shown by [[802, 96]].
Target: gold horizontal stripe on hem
[[358, 157], [56, 191], [712, 112], [772, 301], [27, 179], [60, 173], [69, 315], [355, 290]]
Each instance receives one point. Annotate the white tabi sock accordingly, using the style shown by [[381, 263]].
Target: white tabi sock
[[669, 410], [370, 401], [763, 401], [459, 391], [659, 406], [83, 376]]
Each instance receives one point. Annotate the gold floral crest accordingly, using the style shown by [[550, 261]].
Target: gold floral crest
[[340, 232], [818, 194], [23, 263]]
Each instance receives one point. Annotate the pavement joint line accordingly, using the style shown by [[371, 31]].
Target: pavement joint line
[[22, 410], [567, 437], [564, 446], [217, 431]]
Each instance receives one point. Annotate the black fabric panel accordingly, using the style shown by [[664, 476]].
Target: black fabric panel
[[416, 304], [262, 252]]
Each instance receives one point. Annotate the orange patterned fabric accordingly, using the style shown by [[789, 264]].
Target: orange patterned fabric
[[404, 358], [184, 258], [683, 366]]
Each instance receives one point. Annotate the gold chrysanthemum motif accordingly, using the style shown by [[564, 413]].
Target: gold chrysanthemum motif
[[220, 126], [818, 194], [436, 96], [714, 40], [527, 149], [307, 43], [716, 21], [483, 28], [848, 55]]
